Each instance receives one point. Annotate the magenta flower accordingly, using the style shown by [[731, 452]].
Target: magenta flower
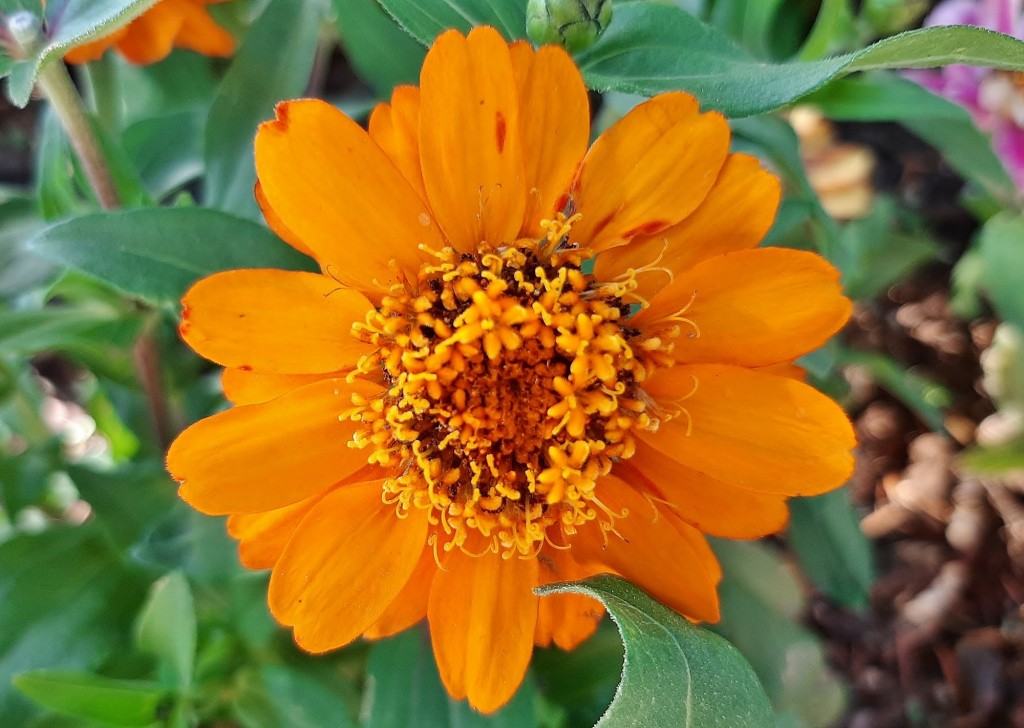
[[994, 98]]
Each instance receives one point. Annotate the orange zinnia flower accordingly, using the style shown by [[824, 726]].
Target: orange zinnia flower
[[460, 408], [151, 36]]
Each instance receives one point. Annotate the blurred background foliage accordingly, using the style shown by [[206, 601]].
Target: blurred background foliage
[[121, 606]]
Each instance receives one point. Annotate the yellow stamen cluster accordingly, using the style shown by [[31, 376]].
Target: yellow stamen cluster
[[511, 388]]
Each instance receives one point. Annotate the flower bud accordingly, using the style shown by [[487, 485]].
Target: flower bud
[[26, 30], [574, 24], [894, 16]]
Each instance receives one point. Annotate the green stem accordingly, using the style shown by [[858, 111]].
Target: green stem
[[56, 84]]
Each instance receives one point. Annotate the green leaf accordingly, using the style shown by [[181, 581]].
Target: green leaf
[[761, 607], [674, 673], [656, 47], [57, 188], [166, 150], [834, 29], [771, 138], [873, 253], [381, 52], [278, 696], [1001, 243], [760, 26], [127, 501], [156, 254], [19, 269], [927, 399], [180, 82], [59, 328], [287, 32], [65, 602], [71, 23], [426, 20], [879, 96], [404, 689], [582, 681], [113, 702], [995, 460], [825, 534], [166, 629]]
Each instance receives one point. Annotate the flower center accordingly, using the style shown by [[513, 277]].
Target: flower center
[[511, 383]]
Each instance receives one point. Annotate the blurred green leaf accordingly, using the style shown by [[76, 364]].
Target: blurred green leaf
[[381, 52], [287, 32], [71, 23], [128, 501], [873, 253], [180, 82], [655, 47], [761, 605], [59, 328], [771, 138], [583, 681], [425, 21], [1001, 243], [994, 460], [752, 23], [880, 96], [927, 399], [65, 603], [166, 150], [57, 189], [19, 269], [196, 544], [825, 534], [279, 696], [113, 702], [166, 629], [834, 29], [404, 688], [674, 673], [123, 441], [157, 253]]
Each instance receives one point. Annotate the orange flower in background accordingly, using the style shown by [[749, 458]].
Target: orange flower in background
[[151, 36], [523, 362]]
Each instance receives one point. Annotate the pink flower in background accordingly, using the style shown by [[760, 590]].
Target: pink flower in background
[[994, 98]]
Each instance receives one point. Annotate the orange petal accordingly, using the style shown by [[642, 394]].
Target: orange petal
[[150, 36], [410, 606], [275, 223], [709, 505], [751, 308], [334, 188], [785, 369], [267, 456], [470, 143], [649, 171], [565, 619], [555, 128], [653, 549], [348, 560], [263, 536], [396, 129], [482, 613], [94, 50], [243, 387], [753, 430], [735, 215], [275, 321], [201, 34]]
